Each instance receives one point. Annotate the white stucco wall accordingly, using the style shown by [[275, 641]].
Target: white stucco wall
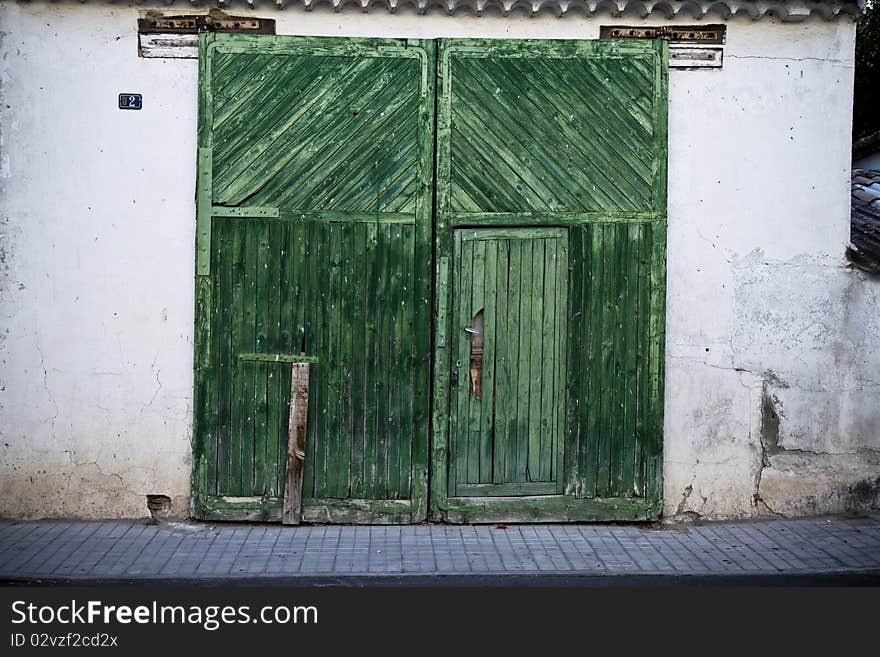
[[765, 322]]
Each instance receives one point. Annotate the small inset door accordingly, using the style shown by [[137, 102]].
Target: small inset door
[[508, 383]]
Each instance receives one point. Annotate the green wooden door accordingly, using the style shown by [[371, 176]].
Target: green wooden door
[[507, 418], [568, 138], [314, 242]]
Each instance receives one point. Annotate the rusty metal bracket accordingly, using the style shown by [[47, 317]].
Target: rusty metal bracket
[[702, 34], [154, 22]]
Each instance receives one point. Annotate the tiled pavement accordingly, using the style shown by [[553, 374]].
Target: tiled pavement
[[133, 551]]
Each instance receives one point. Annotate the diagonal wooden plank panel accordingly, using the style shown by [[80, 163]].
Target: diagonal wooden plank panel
[[300, 89], [329, 139], [578, 107], [341, 128], [567, 138], [299, 111], [537, 191], [349, 152], [532, 110], [602, 122], [282, 137], [254, 88]]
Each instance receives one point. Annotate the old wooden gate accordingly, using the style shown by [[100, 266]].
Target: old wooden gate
[[314, 243], [551, 234]]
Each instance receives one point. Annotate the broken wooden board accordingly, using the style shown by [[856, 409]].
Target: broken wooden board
[[296, 443], [169, 46], [686, 57]]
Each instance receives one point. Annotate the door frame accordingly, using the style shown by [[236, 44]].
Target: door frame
[[567, 506], [430, 496]]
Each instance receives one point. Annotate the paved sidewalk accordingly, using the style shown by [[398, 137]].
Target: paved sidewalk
[[777, 550]]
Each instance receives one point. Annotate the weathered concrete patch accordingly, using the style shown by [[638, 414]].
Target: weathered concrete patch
[[802, 483], [712, 448]]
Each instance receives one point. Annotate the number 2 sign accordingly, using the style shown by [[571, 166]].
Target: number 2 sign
[[130, 101]]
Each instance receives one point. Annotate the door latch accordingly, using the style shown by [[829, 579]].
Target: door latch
[[475, 331]]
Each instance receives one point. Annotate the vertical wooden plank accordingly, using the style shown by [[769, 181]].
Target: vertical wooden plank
[[654, 475], [201, 339], [643, 372], [596, 313], [449, 348], [424, 267], [618, 438], [249, 338], [501, 356], [490, 321], [394, 367], [288, 326], [606, 361], [538, 350], [345, 312], [261, 425], [383, 353], [332, 365], [573, 475], [523, 357], [200, 486], [240, 335], [630, 339], [408, 363], [314, 481], [475, 403], [445, 243], [323, 252], [514, 297], [462, 298], [283, 321], [374, 260], [304, 334], [443, 415], [550, 340], [296, 444], [226, 354], [560, 372], [658, 268], [358, 286], [264, 297], [274, 440], [213, 371]]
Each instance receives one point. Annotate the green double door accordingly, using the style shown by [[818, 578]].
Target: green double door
[[466, 241]]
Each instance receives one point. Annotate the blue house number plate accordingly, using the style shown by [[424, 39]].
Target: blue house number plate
[[130, 101]]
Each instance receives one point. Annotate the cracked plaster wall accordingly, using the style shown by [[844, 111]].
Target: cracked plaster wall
[[96, 243]]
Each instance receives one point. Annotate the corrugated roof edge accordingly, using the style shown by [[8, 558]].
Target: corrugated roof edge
[[785, 10], [864, 249]]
